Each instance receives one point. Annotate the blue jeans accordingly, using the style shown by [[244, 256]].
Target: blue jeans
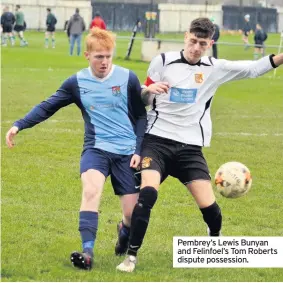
[[75, 38]]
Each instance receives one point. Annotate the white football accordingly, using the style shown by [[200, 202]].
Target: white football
[[233, 179]]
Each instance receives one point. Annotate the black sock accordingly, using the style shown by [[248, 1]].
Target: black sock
[[213, 218], [140, 218]]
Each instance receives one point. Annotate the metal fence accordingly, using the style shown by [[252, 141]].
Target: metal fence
[[123, 16]]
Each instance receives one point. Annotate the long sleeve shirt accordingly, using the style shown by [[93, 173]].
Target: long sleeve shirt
[[183, 114], [113, 113]]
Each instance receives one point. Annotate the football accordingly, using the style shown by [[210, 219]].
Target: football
[[233, 179]]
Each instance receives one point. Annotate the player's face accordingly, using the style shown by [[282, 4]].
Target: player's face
[[100, 62], [195, 47]]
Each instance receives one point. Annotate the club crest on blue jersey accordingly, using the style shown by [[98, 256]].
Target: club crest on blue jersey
[[116, 90]]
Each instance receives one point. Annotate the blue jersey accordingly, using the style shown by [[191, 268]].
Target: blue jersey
[[112, 109]]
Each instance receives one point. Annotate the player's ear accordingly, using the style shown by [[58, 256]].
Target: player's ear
[[186, 36], [211, 42], [86, 54]]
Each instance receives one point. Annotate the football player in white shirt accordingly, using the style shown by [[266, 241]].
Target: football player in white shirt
[[180, 87]]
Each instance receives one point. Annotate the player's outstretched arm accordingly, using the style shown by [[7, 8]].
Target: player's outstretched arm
[[41, 112], [226, 70], [10, 136]]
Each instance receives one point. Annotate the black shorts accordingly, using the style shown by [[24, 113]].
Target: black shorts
[[182, 161], [7, 28], [258, 44], [19, 28], [50, 29]]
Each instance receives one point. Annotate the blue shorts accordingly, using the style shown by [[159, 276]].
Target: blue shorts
[[124, 179]]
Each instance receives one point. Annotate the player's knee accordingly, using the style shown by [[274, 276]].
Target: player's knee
[[149, 183], [147, 197], [91, 195]]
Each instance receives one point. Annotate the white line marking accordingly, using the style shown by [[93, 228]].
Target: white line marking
[[248, 134]]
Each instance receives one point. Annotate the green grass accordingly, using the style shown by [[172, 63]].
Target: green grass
[[41, 187]]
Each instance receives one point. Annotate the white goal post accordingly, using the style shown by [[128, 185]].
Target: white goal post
[[279, 50]]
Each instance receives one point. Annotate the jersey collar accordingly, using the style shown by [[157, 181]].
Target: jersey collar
[[183, 59], [104, 79]]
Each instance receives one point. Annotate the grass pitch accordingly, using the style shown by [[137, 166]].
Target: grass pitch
[[41, 189]]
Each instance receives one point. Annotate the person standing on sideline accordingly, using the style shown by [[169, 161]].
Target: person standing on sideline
[[180, 86], [259, 38], [109, 98], [51, 22], [76, 27], [246, 31], [7, 22], [98, 21], [20, 25], [215, 37], [66, 30]]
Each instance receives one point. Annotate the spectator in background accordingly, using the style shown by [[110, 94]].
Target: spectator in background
[[66, 29], [98, 21], [215, 37], [51, 22], [19, 27], [76, 26], [246, 31], [259, 38], [7, 22]]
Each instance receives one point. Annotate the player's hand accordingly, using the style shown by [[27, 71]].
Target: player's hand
[[135, 161], [10, 136], [158, 88]]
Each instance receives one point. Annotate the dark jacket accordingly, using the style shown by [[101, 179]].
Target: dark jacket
[[216, 34], [7, 19], [260, 36], [51, 20]]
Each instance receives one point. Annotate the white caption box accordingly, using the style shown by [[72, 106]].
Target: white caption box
[[230, 252]]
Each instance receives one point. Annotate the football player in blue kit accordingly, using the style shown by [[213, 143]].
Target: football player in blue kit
[[109, 98]]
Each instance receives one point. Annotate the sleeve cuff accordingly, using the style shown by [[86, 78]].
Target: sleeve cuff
[[138, 152], [271, 61], [17, 125]]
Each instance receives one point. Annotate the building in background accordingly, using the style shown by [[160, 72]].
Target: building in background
[[172, 15]]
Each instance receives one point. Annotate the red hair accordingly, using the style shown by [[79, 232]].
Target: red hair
[[99, 39]]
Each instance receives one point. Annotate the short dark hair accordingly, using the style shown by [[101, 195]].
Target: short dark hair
[[18, 6], [48, 10], [77, 10], [202, 27], [97, 14]]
